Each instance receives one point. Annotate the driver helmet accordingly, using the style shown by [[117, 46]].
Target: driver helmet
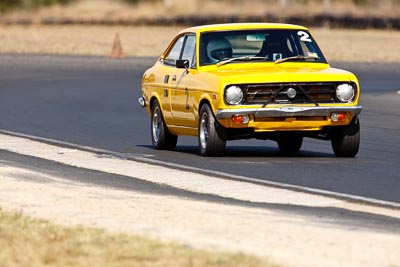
[[219, 49]]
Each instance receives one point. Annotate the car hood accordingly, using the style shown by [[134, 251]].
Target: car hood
[[282, 73]]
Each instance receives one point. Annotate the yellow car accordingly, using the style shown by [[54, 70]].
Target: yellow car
[[250, 80]]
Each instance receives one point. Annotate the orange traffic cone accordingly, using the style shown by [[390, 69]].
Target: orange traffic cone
[[116, 51]]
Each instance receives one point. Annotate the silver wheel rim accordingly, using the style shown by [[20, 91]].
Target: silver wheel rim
[[156, 124], [203, 131]]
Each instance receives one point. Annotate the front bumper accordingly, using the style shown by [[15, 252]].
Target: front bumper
[[287, 112]]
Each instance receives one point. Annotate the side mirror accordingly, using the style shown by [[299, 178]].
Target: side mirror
[[182, 64]]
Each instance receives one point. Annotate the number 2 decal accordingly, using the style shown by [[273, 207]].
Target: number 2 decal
[[305, 37]]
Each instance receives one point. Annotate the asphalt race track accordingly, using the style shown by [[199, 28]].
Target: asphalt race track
[[92, 101]]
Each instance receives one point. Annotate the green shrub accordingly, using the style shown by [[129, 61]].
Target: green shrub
[[7, 5], [39, 3], [363, 2], [137, 1]]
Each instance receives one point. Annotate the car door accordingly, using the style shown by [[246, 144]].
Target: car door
[[168, 70], [181, 86]]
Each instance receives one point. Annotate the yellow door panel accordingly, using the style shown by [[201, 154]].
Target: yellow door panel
[[182, 111]]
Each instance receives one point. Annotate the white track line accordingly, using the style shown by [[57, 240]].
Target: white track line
[[140, 158]]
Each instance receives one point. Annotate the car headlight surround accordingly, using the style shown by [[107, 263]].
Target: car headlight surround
[[233, 95], [345, 92]]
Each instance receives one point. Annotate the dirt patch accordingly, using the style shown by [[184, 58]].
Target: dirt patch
[[362, 46], [337, 45], [284, 238], [27, 241], [81, 40]]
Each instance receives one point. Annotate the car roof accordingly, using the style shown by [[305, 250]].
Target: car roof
[[241, 26]]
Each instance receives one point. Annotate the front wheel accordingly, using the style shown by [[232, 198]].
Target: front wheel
[[346, 139], [211, 135], [160, 136], [290, 143]]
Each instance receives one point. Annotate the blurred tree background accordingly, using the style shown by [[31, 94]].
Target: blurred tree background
[[9, 5]]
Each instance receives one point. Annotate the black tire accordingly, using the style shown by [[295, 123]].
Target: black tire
[[346, 139], [161, 138], [211, 135], [290, 143]]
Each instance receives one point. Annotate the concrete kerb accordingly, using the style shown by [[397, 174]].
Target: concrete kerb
[[142, 159]]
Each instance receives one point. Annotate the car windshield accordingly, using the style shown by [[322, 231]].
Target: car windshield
[[225, 47]]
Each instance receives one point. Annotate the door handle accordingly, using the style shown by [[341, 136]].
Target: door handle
[[174, 78], [166, 78]]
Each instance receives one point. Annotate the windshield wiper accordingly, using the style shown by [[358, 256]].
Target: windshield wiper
[[295, 57], [244, 58]]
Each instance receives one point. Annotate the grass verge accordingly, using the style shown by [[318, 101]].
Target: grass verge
[[30, 242]]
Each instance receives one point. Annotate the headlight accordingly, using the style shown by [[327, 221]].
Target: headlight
[[345, 92], [233, 95]]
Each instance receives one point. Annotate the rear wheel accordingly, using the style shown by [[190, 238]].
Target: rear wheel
[[346, 139], [160, 136], [290, 143], [211, 135]]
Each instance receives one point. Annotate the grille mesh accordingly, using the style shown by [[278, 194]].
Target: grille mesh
[[276, 93]]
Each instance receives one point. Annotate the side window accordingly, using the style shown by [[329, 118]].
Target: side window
[[175, 52], [189, 51]]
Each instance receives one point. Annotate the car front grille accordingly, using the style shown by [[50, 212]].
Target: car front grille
[[277, 93]]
